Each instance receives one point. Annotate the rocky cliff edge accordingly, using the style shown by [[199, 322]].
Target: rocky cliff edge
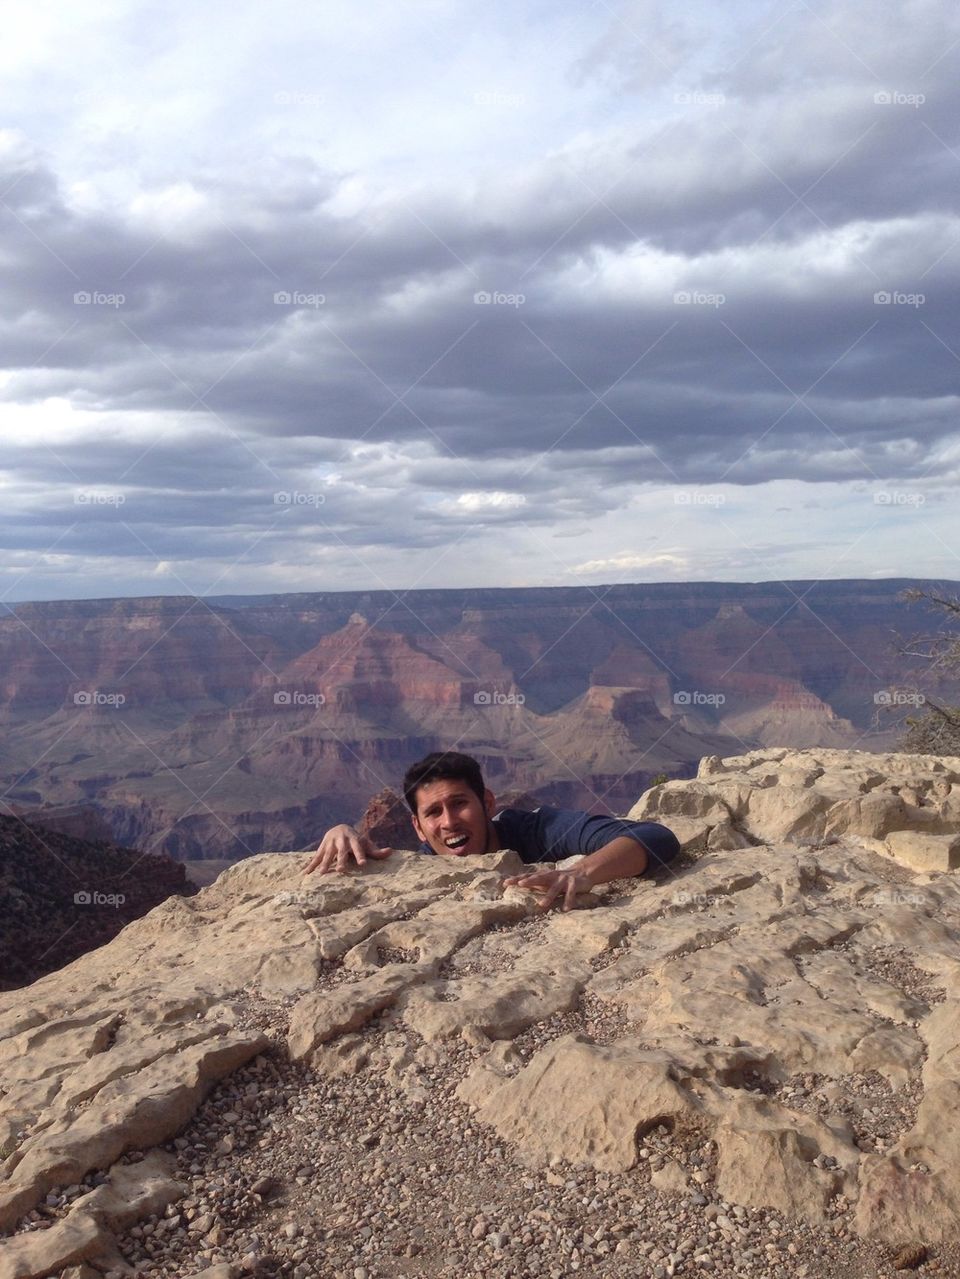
[[748, 1063]]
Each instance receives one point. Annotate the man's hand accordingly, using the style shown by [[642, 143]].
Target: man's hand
[[341, 848], [549, 884]]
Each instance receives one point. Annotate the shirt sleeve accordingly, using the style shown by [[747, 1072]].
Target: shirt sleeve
[[551, 834]]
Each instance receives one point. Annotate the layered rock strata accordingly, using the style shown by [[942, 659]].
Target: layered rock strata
[[769, 1033], [219, 729]]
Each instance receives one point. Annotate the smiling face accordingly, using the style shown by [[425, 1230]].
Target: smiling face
[[453, 819]]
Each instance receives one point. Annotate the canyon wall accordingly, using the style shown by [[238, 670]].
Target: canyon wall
[[218, 728]]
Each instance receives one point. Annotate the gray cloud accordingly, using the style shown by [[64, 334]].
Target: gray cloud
[[698, 286]]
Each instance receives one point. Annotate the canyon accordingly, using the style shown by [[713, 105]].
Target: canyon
[[212, 729], [747, 1065]]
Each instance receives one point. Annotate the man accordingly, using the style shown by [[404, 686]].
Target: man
[[454, 814]]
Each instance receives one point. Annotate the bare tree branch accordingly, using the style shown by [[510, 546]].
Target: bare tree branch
[[936, 731]]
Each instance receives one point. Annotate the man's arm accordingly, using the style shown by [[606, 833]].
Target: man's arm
[[620, 859], [342, 847]]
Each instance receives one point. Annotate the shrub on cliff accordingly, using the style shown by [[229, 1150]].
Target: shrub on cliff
[[61, 896], [935, 730]]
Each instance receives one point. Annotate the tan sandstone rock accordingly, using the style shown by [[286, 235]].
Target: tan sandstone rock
[[131, 1192], [905, 805], [749, 998]]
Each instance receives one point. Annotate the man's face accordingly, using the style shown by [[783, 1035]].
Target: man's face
[[453, 820]]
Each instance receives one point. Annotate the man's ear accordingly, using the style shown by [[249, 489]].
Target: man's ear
[[489, 802], [416, 827]]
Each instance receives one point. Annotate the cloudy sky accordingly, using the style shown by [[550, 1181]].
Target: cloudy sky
[[428, 293]]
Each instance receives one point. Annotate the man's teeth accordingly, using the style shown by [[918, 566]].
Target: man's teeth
[[456, 841]]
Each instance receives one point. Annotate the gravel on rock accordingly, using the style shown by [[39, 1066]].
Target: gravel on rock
[[293, 1174]]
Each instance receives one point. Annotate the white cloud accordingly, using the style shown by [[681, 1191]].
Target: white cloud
[[631, 563], [477, 503], [204, 158]]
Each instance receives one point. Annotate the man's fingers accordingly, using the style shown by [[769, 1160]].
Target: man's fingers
[[380, 853], [539, 883], [550, 892], [548, 885], [571, 894], [320, 861]]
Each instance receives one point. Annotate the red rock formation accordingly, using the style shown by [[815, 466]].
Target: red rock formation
[[575, 694], [386, 821], [166, 652]]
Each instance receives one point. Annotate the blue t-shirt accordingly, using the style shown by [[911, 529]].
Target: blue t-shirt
[[551, 834]]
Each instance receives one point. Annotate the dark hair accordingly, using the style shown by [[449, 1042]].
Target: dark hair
[[442, 766]]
